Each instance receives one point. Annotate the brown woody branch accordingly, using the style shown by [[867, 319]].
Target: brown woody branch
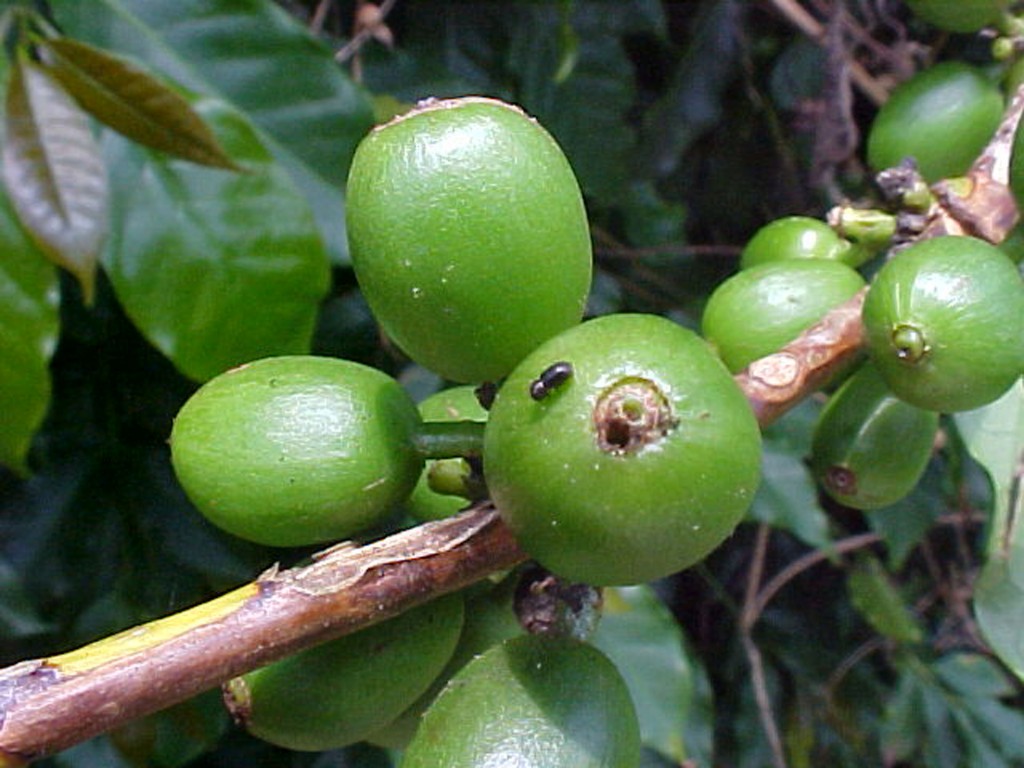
[[47, 705]]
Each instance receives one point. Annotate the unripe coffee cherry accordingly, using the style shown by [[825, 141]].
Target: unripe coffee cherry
[[944, 322], [341, 691], [959, 15], [636, 466], [468, 235], [531, 701], [797, 237], [490, 620], [870, 448], [942, 117], [758, 310], [289, 451]]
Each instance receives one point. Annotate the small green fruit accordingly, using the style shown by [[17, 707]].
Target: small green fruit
[[758, 310], [636, 466], [490, 619], [531, 701], [797, 237], [468, 235], [944, 323], [870, 448], [341, 691], [290, 451], [942, 117], [455, 404], [959, 15]]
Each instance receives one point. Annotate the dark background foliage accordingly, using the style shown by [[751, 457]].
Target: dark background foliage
[[689, 124]]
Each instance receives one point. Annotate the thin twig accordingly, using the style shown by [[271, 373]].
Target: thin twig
[[764, 704], [316, 24], [359, 39], [754, 658], [798, 566], [754, 576], [798, 16]]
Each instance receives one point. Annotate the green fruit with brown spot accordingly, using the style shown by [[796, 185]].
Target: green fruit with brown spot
[[870, 448]]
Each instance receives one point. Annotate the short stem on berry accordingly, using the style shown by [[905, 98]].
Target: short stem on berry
[[449, 439], [909, 343], [870, 230]]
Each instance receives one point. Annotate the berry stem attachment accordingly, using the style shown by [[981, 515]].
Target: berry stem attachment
[[449, 439]]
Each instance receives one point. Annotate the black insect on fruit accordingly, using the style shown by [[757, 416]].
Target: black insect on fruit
[[550, 378]]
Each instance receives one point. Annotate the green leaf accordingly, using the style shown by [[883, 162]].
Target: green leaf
[[999, 607], [667, 683], [54, 172], [788, 499], [215, 268], [878, 601], [695, 100], [974, 676], [517, 51], [257, 57], [994, 435], [949, 712], [904, 524], [125, 97], [28, 320]]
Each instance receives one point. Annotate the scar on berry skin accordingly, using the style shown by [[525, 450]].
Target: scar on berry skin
[[841, 480], [631, 414]]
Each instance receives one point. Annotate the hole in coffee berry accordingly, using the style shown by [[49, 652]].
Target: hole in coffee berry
[[841, 480], [630, 414]]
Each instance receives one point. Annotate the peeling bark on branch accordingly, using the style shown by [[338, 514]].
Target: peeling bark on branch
[[776, 383]]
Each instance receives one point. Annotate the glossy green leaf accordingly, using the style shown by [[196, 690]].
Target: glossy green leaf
[[54, 172], [667, 683], [121, 94], [215, 268], [257, 57], [28, 335], [994, 435], [876, 598]]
